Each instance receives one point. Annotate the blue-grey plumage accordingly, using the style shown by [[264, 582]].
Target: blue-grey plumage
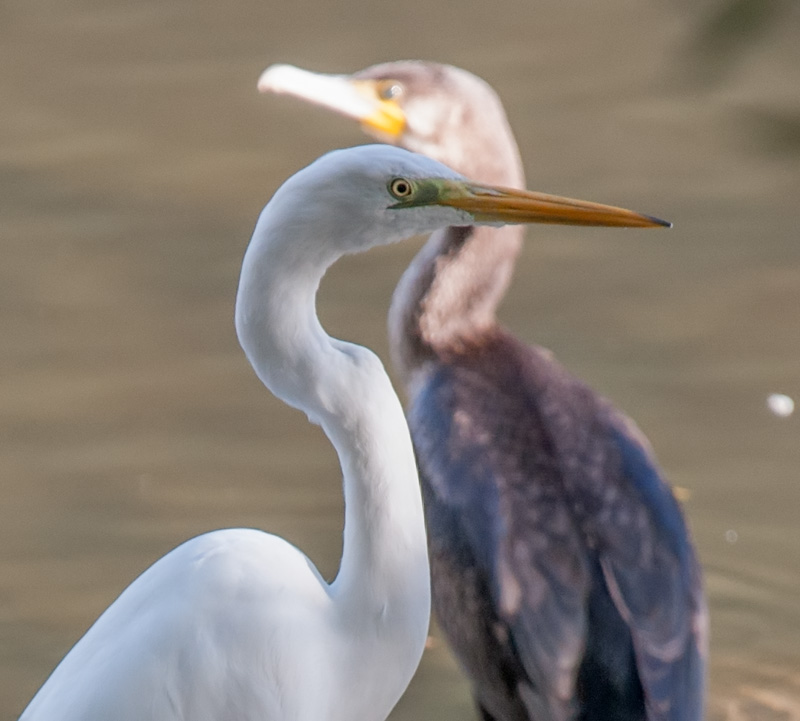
[[563, 572]]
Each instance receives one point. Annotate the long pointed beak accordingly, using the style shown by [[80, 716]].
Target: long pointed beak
[[353, 98], [492, 204]]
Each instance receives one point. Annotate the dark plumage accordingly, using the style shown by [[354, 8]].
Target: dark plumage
[[562, 571], [564, 576]]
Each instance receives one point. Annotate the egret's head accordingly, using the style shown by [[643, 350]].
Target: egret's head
[[350, 199], [369, 195], [439, 110]]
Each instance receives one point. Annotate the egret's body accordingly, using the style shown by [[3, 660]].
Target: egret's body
[[238, 625], [186, 640], [563, 572]]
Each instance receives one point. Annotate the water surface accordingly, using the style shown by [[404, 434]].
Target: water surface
[[135, 155]]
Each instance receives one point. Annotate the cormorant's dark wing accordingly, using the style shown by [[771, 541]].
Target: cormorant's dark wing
[[543, 498], [479, 442], [655, 581]]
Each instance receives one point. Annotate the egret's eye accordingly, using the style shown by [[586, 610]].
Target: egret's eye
[[389, 89], [401, 188]]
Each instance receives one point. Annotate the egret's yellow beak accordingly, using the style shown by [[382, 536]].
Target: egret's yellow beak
[[491, 204], [359, 99]]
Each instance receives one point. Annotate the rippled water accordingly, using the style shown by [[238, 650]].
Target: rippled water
[[135, 155]]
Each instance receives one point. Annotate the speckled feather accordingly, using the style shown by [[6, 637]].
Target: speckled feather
[[541, 497]]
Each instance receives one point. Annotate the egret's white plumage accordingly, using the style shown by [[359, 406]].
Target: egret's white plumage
[[238, 625]]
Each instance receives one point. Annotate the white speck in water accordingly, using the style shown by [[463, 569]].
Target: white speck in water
[[731, 536], [781, 405]]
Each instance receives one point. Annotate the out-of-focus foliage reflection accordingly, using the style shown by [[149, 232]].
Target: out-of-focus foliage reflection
[[726, 33], [722, 41]]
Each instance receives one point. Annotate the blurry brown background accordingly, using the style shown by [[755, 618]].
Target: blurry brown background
[[135, 155]]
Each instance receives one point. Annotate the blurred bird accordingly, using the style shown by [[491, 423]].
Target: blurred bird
[[564, 577]]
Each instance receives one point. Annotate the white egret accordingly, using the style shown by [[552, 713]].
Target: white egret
[[564, 576], [238, 625]]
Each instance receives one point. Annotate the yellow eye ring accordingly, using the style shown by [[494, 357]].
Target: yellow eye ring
[[401, 188], [389, 89]]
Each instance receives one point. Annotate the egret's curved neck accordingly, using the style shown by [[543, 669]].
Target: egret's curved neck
[[448, 297], [345, 389]]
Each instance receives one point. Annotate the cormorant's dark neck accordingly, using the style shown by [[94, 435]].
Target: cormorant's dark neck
[[448, 296], [447, 299]]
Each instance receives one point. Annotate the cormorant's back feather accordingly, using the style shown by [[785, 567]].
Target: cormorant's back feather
[[543, 495]]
